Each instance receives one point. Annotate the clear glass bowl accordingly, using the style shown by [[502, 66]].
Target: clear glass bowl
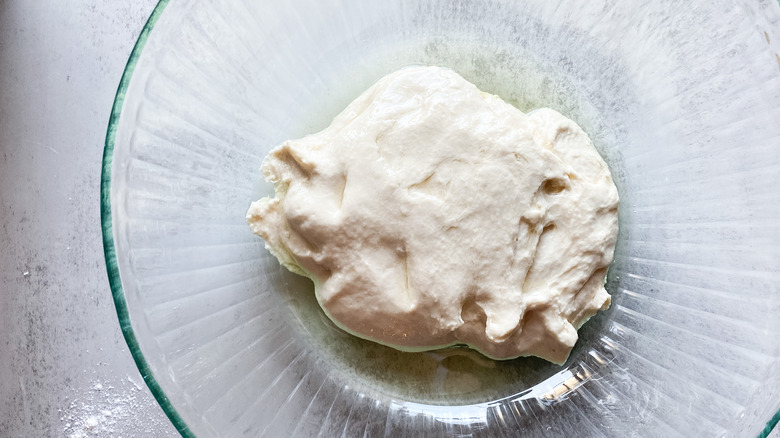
[[683, 101]]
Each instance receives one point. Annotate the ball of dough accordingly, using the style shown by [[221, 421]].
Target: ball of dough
[[430, 214]]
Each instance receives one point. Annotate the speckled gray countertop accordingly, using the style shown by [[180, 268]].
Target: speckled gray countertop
[[65, 370]]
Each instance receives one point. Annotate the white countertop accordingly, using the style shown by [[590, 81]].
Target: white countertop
[[65, 369]]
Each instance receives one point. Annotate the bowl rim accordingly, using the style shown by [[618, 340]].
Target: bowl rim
[[109, 245]]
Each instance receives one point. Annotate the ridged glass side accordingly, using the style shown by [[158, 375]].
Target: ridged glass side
[[682, 100], [109, 245]]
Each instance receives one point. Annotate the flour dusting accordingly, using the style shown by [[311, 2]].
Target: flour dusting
[[98, 411]]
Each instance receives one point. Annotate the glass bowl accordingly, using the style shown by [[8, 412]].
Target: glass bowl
[[681, 98]]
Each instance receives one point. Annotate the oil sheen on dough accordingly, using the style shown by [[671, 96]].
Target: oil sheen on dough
[[430, 214]]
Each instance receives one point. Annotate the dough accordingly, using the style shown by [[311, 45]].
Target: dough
[[430, 214]]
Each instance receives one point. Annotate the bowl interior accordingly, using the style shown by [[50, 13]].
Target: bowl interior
[[682, 101]]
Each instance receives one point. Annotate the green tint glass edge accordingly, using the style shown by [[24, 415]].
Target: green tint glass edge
[[770, 425], [109, 248]]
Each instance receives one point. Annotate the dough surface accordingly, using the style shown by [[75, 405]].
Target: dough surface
[[430, 214]]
